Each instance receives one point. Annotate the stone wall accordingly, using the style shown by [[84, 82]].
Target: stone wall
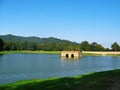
[[71, 54]]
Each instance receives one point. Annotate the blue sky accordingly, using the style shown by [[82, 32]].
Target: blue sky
[[75, 20]]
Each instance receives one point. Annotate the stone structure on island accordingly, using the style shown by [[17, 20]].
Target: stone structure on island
[[71, 54]]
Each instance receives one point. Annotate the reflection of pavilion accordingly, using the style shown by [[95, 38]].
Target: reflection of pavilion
[[71, 54]]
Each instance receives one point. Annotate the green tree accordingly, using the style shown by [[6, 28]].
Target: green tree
[[85, 46], [1, 44], [115, 46], [96, 47]]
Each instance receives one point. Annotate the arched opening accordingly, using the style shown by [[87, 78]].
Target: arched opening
[[72, 55], [67, 55]]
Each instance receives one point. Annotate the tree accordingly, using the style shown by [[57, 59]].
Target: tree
[[96, 47], [115, 46], [1, 44], [85, 46]]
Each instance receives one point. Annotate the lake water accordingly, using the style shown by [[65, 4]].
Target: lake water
[[14, 67]]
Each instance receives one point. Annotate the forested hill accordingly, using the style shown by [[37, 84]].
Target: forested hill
[[13, 42], [32, 39]]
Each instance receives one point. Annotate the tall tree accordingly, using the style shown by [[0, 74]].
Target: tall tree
[[85, 46], [1, 44], [115, 46], [96, 47]]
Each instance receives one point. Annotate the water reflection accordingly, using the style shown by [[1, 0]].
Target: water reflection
[[1, 55], [1, 59], [75, 58], [68, 61]]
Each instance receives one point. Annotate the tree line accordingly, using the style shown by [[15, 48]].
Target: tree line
[[11, 42]]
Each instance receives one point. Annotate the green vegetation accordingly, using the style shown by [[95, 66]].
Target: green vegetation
[[94, 46], [53, 52], [19, 43], [115, 46], [113, 54], [107, 80], [94, 54], [91, 54], [1, 44], [31, 52]]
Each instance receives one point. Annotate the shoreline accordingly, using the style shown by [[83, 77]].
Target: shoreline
[[101, 53], [96, 80], [85, 53], [31, 52]]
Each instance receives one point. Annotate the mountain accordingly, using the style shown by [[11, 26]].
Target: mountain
[[13, 42], [14, 38]]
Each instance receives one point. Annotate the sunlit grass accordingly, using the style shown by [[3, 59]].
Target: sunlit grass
[[31, 52], [53, 52]]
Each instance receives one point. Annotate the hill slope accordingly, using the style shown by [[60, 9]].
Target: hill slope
[[13, 38], [13, 42]]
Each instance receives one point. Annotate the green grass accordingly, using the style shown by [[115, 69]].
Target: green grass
[[107, 80], [52, 52], [91, 54], [31, 52], [113, 54]]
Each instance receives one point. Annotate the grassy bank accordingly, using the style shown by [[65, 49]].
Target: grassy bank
[[32, 52], [108, 80], [91, 54], [58, 52], [101, 53]]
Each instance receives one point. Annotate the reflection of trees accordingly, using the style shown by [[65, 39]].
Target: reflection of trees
[[69, 62], [1, 55]]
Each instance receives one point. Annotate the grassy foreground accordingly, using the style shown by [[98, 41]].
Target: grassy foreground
[[107, 80]]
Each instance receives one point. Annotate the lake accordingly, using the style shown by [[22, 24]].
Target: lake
[[14, 67]]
